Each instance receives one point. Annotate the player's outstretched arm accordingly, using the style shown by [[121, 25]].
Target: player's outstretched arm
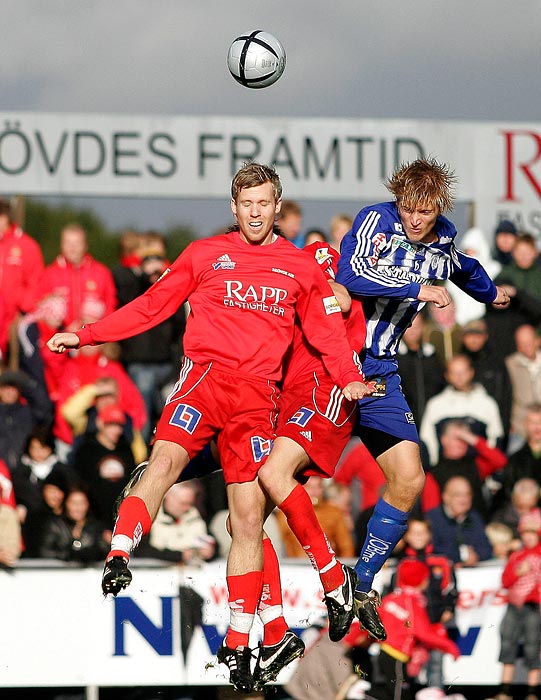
[[60, 342], [437, 295], [502, 298]]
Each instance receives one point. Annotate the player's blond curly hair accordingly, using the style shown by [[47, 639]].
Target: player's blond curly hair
[[423, 182], [254, 174]]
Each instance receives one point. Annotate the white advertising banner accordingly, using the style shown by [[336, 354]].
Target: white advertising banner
[[498, 164], [58, 630]]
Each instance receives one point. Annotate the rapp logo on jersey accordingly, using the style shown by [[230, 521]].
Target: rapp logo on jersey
[[224, 262], [254, 298], [261, 447], [186, 417]]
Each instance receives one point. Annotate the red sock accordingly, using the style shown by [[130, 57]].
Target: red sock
[[132, 523], [270, 608], [302, 520], [244, 594]]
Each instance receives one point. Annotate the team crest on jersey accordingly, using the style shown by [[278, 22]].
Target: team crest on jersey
[[398, 227], [261, 447], [224, 262], [302, 416], [409, 418], [186, 417]]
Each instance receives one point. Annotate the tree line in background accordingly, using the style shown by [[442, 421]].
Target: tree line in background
[[44, 222]]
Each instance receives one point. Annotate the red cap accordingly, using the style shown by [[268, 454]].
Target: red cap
[[112, 414], [411, 573]]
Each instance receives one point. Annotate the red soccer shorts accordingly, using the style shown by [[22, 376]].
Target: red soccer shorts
[[317, 417], [241, 411]]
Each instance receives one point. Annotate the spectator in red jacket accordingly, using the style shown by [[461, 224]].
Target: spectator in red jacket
[[86, 285], [522, 578], [404, 614], [21, 265]]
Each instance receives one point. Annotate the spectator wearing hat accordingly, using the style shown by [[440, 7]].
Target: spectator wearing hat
[[504, 239], [522, 579], [21, 266], [149, 357], [82, 408], [104, 461], [24, 404], [84, 367], [410, 634], [489, 367]]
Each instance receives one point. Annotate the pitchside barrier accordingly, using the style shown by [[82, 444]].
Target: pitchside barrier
[[58, 630]]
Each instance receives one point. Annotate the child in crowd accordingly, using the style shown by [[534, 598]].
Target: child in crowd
[[522, 578], [500, 537], [409, 631], [441, 594]]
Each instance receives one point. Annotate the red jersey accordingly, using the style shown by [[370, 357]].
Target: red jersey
[[407, 624], [21, 265], [243, 303], [302, 358], [90, 285]]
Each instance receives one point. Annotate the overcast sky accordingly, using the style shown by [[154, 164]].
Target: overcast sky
[[432, 59]]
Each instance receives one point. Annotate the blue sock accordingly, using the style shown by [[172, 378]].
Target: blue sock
[[384, 530]]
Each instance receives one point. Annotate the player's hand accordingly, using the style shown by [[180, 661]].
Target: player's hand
[[356, 390], [502, 299], [60, 342], [439, 296]]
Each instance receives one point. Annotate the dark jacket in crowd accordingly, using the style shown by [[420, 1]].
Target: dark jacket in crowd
[[58, 541], [105, 472], [448, 534], [163, 343], [422, 377]]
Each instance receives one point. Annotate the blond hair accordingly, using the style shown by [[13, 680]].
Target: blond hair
[[424, 181]]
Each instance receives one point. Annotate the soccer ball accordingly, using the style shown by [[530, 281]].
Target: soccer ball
[[256, 59]]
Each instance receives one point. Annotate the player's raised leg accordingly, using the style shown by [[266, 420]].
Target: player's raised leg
[[277, 477], [138, 510], [401, 465]]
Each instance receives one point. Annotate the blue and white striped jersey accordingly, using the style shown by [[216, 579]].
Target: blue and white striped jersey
[[378, 263]]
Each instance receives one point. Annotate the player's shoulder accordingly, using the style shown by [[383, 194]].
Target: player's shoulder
[[382, 216], [445, 229]]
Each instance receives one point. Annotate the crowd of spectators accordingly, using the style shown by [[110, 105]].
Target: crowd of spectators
[[73, 426]]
